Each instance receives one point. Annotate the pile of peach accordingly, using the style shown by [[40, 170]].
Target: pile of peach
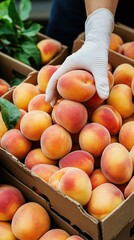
[[20, 219], [117, 44], [83, 146]]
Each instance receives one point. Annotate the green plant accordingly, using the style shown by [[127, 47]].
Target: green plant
[[18, 34]]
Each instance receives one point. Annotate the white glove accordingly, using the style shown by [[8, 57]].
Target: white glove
[[92, 56]]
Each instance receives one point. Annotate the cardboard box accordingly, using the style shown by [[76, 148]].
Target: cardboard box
[[119, 225], [125, 32], [31, 196], [9, 65]]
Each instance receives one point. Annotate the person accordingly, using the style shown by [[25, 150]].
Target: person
[[93, 55]]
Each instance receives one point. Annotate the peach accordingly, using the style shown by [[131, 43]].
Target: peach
[[126, 135], [30, 221], [11, 199], [3, 127], [127, 49], [56, 142], [124, 74], [49, 48], [4, 86], [93, 138], [72, 182], [132, 156], [14, 142], [97, 178], [6, 232], [75, 237], [23, 93], [44, 75], [129, 188], [109, 117], [34, 123], [38, 103], [55, 234], [23, 112], [44, 171], [116, 164], [80, 159], [104, 199], [76, 85], [71, 115], [120, 97], [115, 42], [36, 156]]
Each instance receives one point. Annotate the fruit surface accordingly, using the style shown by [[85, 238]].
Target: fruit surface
[[30, 221], [100, 206], [10, 200]]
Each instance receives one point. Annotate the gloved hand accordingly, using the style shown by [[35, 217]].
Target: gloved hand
[[92, 56]]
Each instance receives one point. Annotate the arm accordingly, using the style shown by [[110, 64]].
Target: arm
[[93, 5]]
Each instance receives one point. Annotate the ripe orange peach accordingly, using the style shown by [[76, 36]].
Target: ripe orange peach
[[126, 135], [71, 115], [38, 103], [129, 188], [11, 199], [132, 156], [4, 86], [48, 48], [44, 171], [30, 221], [124, 74], [23, 112], [44, 75], [127, 49], [56, 142], [120, 97], [76, 85], [55, 234], [115, 42], [14, 142], [104, 199], [93, 138], [34, 123], [80, 159], [72, 182], [23, 93], [36, 156], [6, 232], [109, 117], [116, 164], [97, 178]]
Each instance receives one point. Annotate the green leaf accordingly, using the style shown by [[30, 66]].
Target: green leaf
[[23, 57], [25, 9], [5, 27], [32, 50], [14, 15], [4, 8], [10, 113], [32, 30]]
